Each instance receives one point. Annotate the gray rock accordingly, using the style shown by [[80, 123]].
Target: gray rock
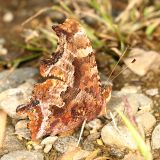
[[147, 120], [88, 143], [116, 153], [11, 143], [21, 129], [23, 155], [11, 98], [94, 136], [119, 137], [156, 137], [62, 143], [137, 101], [11, 79]]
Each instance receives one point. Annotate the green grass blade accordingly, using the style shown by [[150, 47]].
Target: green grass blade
[[136, 136]]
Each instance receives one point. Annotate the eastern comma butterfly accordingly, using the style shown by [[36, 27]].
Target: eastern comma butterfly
[[72, 89]]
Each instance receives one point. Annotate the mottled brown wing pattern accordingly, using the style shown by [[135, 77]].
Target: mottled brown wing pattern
[[72, 90]]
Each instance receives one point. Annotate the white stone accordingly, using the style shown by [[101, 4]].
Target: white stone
[[3, 51], [152, 92], [8, 17], [49, 140], [120, 137], [37, 146], [131, 89], [147, 120], [156, 137], [47, 148]]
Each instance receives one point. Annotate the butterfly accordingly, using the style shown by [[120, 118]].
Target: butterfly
[[71, 91]]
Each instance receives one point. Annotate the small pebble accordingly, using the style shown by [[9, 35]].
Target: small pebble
[[86, 133], [49, 140], [37, 146], [116, 153], [147, 120], [8, 17], [88, 145], [131, 89], [47, 148], [3, 51], [94, 125], [152, 92], [62, 143], [100, 142], [156, 137]]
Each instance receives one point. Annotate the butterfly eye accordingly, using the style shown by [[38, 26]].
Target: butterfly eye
[[35, 102]]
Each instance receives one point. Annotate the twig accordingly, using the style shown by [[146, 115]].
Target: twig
[[82, 129], [35, 15]]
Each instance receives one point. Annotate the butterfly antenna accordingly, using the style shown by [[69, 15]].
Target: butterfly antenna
[[134, 60], [117, 63], [81, 132]]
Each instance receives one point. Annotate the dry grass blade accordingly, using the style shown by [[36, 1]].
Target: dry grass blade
[[35, 15], [81, 132]]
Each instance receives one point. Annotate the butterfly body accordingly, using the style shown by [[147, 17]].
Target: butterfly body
[[72, 90]]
